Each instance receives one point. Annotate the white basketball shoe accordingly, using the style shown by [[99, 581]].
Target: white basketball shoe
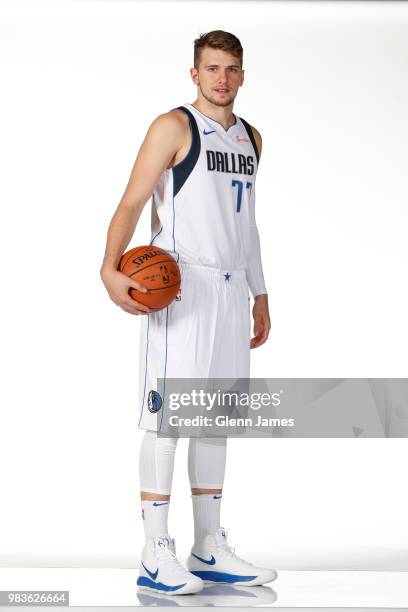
[[213, 560], [162, 572]]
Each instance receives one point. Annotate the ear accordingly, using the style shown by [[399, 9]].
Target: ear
[[194, 75]]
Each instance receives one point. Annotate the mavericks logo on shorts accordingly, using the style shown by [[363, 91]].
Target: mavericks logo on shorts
[[154, 401]]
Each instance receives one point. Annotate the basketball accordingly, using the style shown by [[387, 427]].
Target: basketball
[[156, 270]]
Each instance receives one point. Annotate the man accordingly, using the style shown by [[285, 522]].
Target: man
[[199, 161]]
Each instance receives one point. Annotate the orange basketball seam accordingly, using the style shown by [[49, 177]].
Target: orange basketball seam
[[156, 288], [131, 253], [138, 261], [155, 263], [143, 249]]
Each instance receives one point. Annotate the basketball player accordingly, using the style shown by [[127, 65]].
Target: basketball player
[[199, 163]]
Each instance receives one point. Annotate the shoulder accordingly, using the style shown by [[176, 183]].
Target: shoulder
[[172, 124]]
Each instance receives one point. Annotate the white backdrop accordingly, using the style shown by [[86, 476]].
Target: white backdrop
[[326, 85]]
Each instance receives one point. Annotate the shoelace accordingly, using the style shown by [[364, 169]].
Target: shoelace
[[229, 550], [167, 557]]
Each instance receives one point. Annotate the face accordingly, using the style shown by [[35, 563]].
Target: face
[[218, 76]]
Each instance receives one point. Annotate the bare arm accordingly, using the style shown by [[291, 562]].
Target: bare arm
[[164, 138]]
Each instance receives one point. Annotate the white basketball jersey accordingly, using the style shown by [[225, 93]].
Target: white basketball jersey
[[205, 203]]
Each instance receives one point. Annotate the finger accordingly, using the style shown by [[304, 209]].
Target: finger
[[261, 326], [261, 335], [254, 342], [265, 333], [134, 310], [133, 306], [139, 310], [258, 329], [135, 285], [141, 307], [131, 303], [132, 296]]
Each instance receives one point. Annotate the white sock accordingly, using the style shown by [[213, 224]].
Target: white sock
[[206, 511], [155, 514]]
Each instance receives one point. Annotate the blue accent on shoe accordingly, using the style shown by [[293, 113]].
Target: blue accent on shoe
[[152, 575], [160, 504], [222, 577], [210, 562], [143, 581], [217, 496]]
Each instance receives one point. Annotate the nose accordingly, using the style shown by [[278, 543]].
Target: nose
[[222, 77]]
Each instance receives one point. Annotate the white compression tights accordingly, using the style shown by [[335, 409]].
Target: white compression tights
[[206, 463]]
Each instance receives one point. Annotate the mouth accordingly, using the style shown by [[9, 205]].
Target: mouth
[[222, 90]]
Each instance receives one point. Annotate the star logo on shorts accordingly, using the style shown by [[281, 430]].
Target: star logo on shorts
[[227, 276]]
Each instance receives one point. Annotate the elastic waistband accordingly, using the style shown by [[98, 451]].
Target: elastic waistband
[[227, 275]]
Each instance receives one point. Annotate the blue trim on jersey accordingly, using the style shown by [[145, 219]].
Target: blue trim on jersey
[[154, 237], [165, 367], [160, 586], [147, 349], [222, 576], [183, 169], [225, 129], [251, 137]]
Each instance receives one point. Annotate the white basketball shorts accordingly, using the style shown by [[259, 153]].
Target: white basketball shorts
[[204, 333]]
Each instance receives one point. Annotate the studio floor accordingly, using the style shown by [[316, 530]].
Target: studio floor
[[116, 588]]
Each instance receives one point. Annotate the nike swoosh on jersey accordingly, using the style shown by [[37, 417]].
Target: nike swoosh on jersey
[[206, 133], [152, 575], [210, 562]]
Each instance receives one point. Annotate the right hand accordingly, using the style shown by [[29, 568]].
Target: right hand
[[117, 285]]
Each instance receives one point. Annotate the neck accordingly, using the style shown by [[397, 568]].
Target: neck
[[222, 114]]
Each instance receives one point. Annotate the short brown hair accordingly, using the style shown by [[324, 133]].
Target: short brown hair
[[218, 39]]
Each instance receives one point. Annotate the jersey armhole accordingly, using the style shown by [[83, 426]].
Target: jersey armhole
[[251, 137], [184, 167]]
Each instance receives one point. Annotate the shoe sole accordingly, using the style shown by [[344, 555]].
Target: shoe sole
[[233, 582], [167, 590]]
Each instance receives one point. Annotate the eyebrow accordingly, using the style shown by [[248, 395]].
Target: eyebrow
[[217, 66]]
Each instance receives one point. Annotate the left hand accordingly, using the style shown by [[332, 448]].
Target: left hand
[[262, 322]]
